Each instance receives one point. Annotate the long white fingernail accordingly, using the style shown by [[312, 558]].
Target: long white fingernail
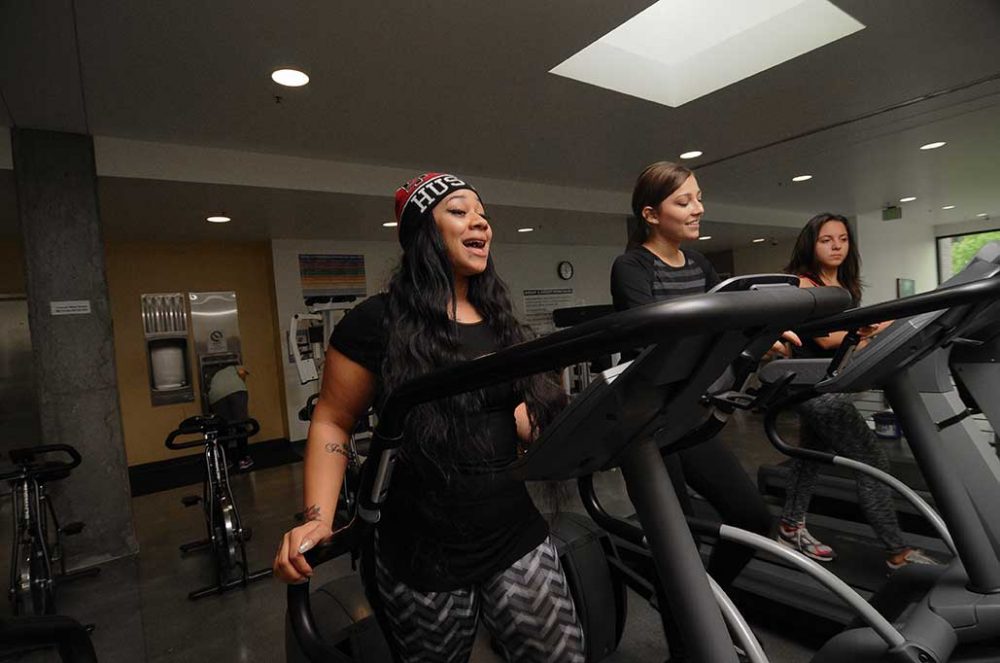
[[305, 545]]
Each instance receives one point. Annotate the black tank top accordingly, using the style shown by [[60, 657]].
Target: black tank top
[[810, 348]]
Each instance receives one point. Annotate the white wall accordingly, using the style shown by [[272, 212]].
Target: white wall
[[763, 258], [521, 266], [895, 249], [962, 227]]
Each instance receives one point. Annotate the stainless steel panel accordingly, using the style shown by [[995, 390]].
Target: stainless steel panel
[[215, 328], [215, 323], [164, 321], [164, 314], [19, 416]]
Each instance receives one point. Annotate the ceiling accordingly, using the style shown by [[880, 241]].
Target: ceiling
[[465, 88], [144, 210]]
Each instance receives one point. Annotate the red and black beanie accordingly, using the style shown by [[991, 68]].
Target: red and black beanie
[[416, 198]]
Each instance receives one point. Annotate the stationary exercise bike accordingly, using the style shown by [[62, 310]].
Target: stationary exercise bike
[[226, 535], [34, 550]]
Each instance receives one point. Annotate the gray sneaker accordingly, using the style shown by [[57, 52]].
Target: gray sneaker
[[800, 539], [914, 556]]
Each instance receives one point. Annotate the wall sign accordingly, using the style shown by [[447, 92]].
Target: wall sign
[[339, 277], [70, 307], [539, 304]]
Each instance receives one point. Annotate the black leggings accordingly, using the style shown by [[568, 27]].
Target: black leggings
[[715, 473]]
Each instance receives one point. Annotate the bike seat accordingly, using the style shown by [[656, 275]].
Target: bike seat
[[50, 471]]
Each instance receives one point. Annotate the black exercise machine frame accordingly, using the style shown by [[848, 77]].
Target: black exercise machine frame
[[217, 495], [739, 314], [962, 301], [30, 500]]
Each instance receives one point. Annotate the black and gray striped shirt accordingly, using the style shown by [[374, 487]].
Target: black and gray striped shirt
[[639, 277]]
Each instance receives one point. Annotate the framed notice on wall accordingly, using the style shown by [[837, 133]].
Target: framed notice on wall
[[332, 277], [539, 304], [905, 287]]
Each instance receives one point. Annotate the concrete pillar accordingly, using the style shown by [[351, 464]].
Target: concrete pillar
[[71, 336]]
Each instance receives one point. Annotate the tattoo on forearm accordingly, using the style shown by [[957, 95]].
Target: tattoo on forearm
[[334, 448], [312, 513]]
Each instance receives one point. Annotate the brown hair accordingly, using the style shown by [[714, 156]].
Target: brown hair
[[803, 260], [655, 183]]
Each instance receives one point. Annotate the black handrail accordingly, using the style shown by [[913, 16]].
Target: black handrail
[[202, 424], [976, 292], [758, 311], [25, 457]]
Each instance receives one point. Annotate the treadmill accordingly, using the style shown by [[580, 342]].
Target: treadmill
[[622, 419], [971, 358]]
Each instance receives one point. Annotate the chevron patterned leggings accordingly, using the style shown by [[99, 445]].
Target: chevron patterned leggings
[[528, 609]]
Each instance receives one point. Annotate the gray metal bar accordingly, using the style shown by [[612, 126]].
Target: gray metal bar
[[870, 615], [738, 625], [952, 498], [678, 563], [911, 496]]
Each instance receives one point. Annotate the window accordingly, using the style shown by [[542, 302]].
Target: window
[[957, 251]]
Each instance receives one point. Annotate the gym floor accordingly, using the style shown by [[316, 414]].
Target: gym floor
[[140, 609]]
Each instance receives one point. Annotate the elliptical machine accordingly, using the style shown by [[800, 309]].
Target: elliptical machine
[[610, 424]]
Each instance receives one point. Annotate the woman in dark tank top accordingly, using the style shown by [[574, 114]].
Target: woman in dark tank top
[[825, 255], [449, 550], [654, 268]]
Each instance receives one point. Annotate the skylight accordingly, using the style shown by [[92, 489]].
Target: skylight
[[676, 50]]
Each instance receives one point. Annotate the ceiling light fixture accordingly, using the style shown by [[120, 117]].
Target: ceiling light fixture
[[948, 207], [525, 230], [802, 178], [390, 224], [933, 146], [704, 237], [908, 199], [693, 154], [218, 219], [289, 77], [759, 240], [982, 215]]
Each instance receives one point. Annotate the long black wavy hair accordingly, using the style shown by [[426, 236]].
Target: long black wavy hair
[[803, 260], [423, 336]]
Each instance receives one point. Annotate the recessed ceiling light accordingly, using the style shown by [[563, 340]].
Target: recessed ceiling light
[[693, 154], [724, 39], [908, 199], [525, 230], [802, 178], [289, 77], [390, 224], [759, 240], [982, 215], [933, 146], [948, 207], [704, 237], [218, 219]]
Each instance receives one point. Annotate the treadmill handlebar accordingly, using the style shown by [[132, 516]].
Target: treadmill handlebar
[[980, 291], [769, 309], [772, 308], [638, 327]]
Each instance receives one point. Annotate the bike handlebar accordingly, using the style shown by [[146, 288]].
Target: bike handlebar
[[202, 425], [25, 457]]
